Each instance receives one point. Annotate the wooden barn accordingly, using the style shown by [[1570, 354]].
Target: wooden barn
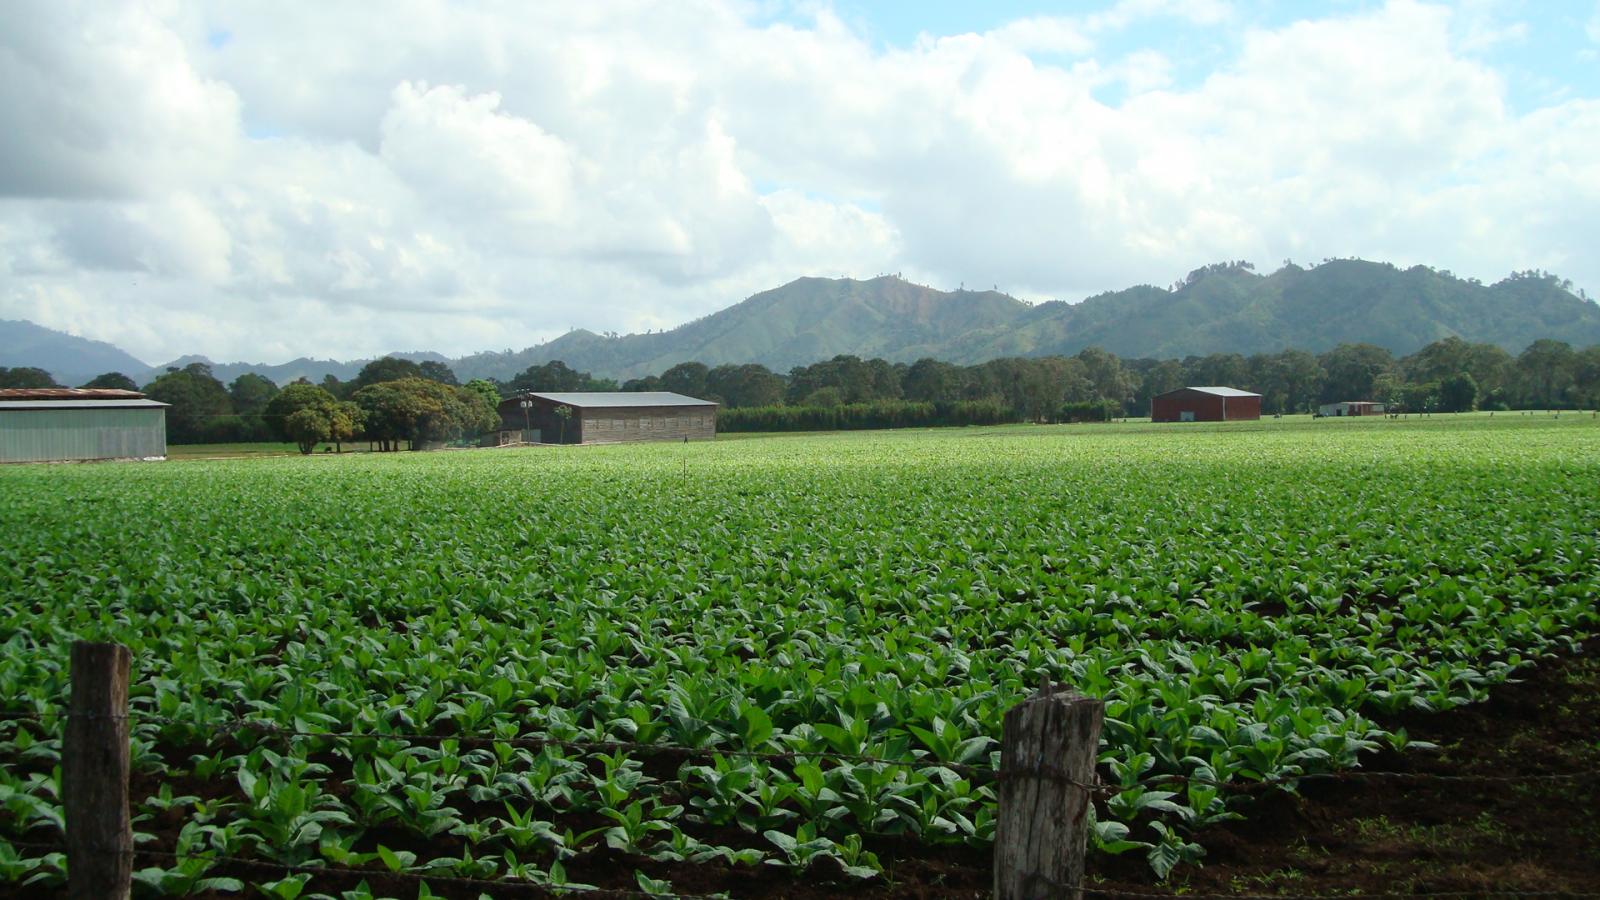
[[601, 417], [1205, 404]]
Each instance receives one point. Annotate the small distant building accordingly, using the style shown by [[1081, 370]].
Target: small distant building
[[1351, 408], [1205, 404], [64, 424], [600, 417]]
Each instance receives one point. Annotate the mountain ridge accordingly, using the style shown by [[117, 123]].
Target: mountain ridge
[[1226, 307]]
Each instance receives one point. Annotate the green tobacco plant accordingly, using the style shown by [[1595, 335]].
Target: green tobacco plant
[[402, 631]]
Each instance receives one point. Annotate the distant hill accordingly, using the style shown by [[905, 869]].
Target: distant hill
[[805, 320], [71, 360], [1224, 308], [1219, 308], [1232, 309]]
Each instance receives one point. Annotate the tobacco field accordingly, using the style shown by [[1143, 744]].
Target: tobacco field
[[1251, 601]]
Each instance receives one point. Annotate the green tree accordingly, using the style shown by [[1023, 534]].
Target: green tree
[[564, 413], [931, 381], [388, 368], [197, 399], [750, 384], [115, 381], [485, 388], [420, 411], [433, 370], [1350, 370], [647, 383], [250, 393], [1586, 376], [1458, 393], [338, 422], [307, 428], [342, 418], [25, 377], [687, 378], [1217, 370], [553, 376], [825, 396], [1420, 397], [1111, 383], [1544, 374]]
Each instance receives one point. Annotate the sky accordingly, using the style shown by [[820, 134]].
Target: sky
[[258, 181]]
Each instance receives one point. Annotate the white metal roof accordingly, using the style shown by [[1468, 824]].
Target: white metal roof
[[1217, 391], [603, 399], [81, 404]]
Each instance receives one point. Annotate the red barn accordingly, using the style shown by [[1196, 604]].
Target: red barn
[[1205, 404]]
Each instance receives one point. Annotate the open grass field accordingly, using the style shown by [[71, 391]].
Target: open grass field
[[1253, 601]]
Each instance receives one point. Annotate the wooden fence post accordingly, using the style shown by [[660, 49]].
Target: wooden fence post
[[1051, 741], [94, 774]]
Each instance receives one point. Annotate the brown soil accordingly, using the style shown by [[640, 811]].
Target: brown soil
[[1362, 836]]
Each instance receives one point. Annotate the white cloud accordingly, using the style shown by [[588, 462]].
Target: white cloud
[[102, 101], [469, 176]]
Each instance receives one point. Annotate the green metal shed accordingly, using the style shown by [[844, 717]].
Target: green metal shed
[[59, 430]]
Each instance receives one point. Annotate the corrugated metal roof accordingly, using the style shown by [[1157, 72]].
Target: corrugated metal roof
[[68, 394], [611, 399], [80, 404], [1217, 391]]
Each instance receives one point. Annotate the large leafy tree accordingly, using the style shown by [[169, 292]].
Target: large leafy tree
[[325, 417], [1458, 393], [250, 393], [1586, 376], [25, 377], [855, 379], [113, 381], [420, 411], [1223, 369], [485, 389], [1111, 382], [750, 384], [1545, 373], [686, 378], [433, 370], [198, 401], [1350, 370], [931, 381], [388, 368], [556, 375]]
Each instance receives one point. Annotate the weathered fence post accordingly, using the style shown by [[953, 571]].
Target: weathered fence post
[[94, 774], [1046, 759]]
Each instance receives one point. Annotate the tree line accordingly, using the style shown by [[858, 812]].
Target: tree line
[[396, 400], [1449, 375]]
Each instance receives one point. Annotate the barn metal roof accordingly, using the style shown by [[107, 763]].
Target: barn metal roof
[[1217, 391], [611, 399], [68, 394], [82, 404]]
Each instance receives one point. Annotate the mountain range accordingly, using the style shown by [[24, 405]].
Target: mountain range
[[1220, 308]]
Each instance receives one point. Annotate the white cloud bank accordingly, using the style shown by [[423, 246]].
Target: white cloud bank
[[262, 181]]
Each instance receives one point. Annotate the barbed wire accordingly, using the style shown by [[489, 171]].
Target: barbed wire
[[1097, 788]]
